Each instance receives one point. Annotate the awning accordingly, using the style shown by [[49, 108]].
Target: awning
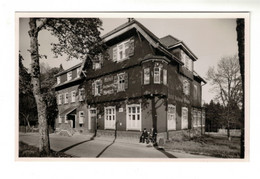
[[68, 111]]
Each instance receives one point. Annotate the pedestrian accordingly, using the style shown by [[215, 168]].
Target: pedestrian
[[144, 136], [153, 132]]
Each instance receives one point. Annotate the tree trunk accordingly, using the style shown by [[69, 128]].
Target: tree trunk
[[44, 144], [241, 54]]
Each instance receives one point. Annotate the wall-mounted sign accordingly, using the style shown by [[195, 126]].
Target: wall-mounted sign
[[121, 109]]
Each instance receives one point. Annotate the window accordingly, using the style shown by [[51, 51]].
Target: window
[[110, 117], [188, 63], [123, 50], [203, 117], [133, 116], [157, 72], [58, 80], [164, 77], [147, 76], [195, 92], [73, 96], [65, 119], [186, 87], [69, 75], [60, 99], [199, 118], [59, 119], [121, 82], [96, 65], [78, 72], [171, 117], [81, 94], [97, 87], [194, 118], [66, 97], [81, 117], [184, 118]]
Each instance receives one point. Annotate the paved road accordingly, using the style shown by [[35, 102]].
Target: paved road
[[102, 147]]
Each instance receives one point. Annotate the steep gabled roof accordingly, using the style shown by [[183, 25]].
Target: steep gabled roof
[[169, 41], [71, 68], [147, 34]]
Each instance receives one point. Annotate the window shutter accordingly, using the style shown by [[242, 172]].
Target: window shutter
[[131, 47], [115, 83], [161, 76], [126, 80], [115, 54], [93, 88], [126, 44], [164, 77], [101, 87]]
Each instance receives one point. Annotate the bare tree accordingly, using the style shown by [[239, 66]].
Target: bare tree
[[227, 84], [77, 38]]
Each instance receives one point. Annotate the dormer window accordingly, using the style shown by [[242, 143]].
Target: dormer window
[[188, 63], [58, 80], [69, 75], [123, 50], [98, 61]]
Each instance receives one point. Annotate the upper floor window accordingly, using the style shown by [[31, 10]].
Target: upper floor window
[[122, 81], [66, 97], [60, 99], [81, 94], [97, 62], [195, 92], [157, 72], [73, 96], [96, 87], [186, 87], [123, 50], [58, 80], [78, 72], [147, 76], [188, 63], [164, 76], [69, 75]]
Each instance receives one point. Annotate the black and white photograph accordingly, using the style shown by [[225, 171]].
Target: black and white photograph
[[132, 86]]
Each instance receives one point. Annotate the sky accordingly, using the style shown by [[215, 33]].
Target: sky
[[208, 39]]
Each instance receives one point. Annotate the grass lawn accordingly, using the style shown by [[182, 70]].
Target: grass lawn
[[216, 146], [26, 150]]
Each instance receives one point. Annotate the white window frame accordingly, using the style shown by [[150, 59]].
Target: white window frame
[[195, 92], [165, 76], [81, 117], [73, 96], [111, 116], [78, 72], [97, 93], [123, 50], [69, 75], [66, 98], [58, 80], [121, 86], [146, 76], [195, 116], [59, 99], [186, 87], [128, 127], [171, 116], [81, 96], [157, 77], [59, 119], [184, 124]]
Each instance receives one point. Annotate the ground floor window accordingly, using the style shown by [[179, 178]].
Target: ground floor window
[[171, 117], [110, 117], [184, 118], [133, 116], [81, 117]]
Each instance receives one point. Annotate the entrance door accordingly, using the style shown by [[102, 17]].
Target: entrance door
[[92, 122], [133, 116], [110, 117]]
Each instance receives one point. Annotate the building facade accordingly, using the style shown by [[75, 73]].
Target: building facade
[[145, 82]]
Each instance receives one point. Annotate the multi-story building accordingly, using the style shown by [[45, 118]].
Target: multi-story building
[[146, 82]]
